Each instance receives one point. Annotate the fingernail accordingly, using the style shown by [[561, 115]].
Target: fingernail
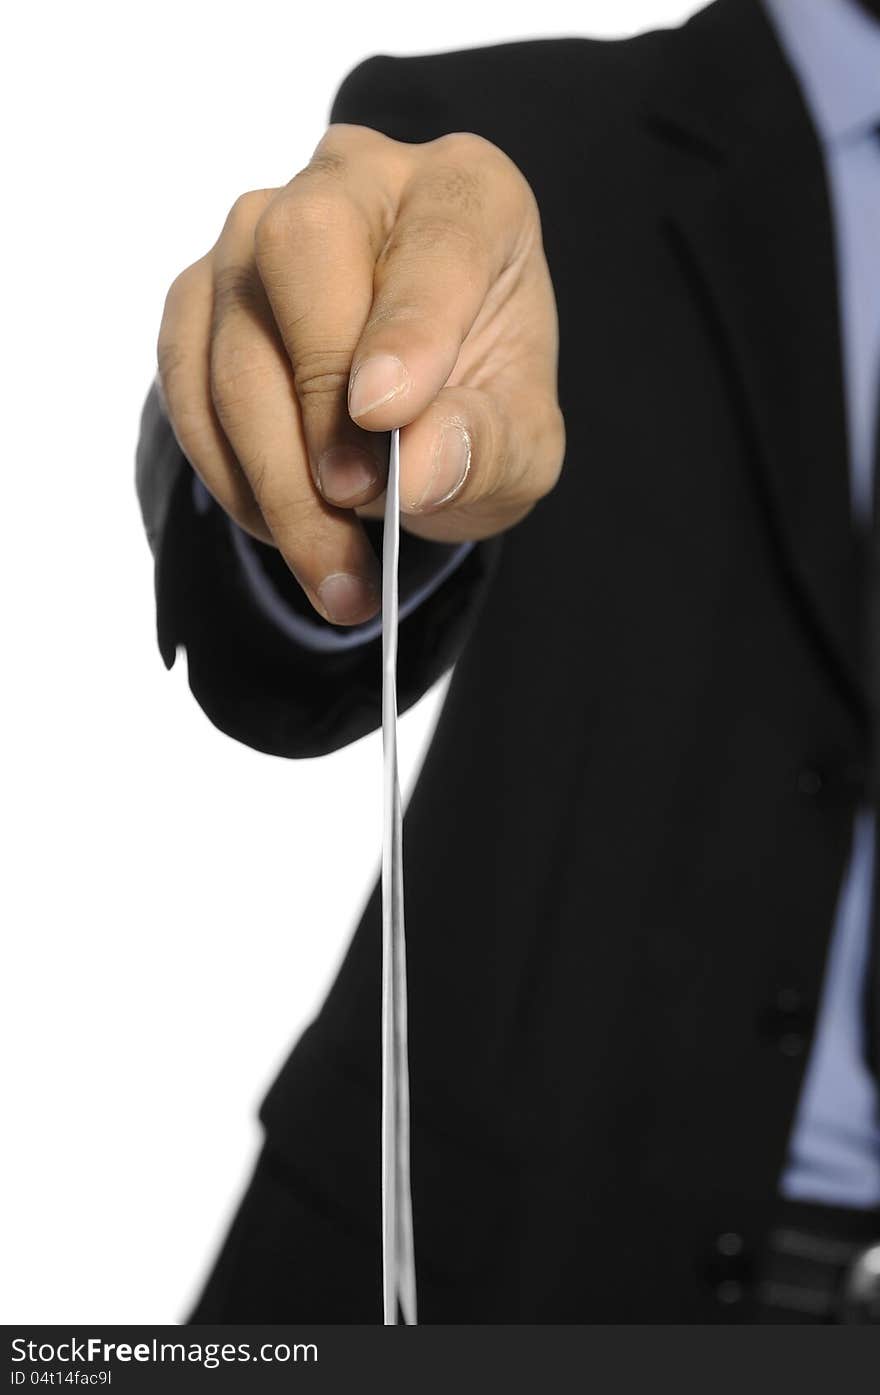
[[346, 472], [449, 469], [346, 599], [375, 382]]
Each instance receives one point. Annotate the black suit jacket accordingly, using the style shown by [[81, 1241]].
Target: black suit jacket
[[624, 850]]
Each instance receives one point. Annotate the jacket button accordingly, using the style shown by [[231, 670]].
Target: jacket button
[[729, 1244], [793, 1044], [729, 1292], [809, 782], [728, 1267], [787, 1022]]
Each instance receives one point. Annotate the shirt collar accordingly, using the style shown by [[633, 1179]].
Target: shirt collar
[[834, 48]]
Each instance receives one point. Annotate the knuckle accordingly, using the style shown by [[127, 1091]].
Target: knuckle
[[465, 147], [484, 171], [401, 310], [476, 157], [170, 361], [322, 372], [434, 235], [235, 288], [275, 229], [326, 161], [247, 209], [288, 516], [347, 145], [234, 378], [178, 289], [350, 135], [313, 212], [283, 497], [455, 183], [305, 213], [180, 293], [271, 229]]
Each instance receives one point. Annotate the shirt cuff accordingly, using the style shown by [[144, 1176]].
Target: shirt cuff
[[317, 634]]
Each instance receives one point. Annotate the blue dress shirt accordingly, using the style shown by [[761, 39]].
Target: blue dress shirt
[[833, 47]]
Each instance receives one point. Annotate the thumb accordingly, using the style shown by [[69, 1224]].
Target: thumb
[[474, 462]]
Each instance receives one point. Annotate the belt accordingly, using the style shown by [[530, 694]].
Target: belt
[[821, 1265]]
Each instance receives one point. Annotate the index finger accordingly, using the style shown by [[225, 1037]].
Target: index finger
[[316, 246], [463, 218]]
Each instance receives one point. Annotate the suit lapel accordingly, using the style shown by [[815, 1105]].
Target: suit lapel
[[749, 211]]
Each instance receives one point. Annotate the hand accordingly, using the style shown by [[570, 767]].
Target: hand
[[387, 285]]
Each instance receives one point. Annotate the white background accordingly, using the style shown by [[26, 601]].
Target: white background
[[174, 904]]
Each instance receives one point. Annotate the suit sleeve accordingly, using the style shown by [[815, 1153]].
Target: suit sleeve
[[252, 677]]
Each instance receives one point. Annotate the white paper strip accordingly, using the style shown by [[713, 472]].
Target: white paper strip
[[398, 1257]]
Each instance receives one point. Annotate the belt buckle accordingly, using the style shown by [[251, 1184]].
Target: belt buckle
[[859, 1300]]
